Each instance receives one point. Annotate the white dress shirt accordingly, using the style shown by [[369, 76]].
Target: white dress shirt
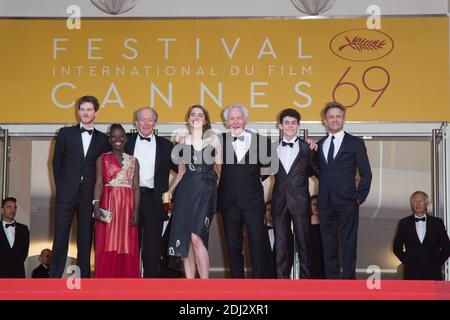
[[421, 228], [86, 138], [10, 233], [241, 147], [338, 137], [145, 152], [287, 154]]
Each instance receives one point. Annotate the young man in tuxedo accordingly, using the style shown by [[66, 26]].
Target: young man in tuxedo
[[291, 198], [42, 271], [340, 155], [154, 156], [76, 151], [14, 242], [421, 242], [240, 193]]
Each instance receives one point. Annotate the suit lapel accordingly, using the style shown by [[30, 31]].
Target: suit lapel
[[17, 238], [157, 155], [320, 143], [282, 168], [229, 149], [3, 237], [132, 142], [252, 149], [79, 141], [299, 155], [427, 229], [91, 145]]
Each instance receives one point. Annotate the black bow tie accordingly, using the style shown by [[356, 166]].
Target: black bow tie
[[240, 138], [269, 227], [7, 225], [147, 139], [419, 219], [284, 144], [90, 131]]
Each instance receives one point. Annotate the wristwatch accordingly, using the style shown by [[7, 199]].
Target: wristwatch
[[94, 201]]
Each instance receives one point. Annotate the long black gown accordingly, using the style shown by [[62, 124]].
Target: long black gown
[[195, 199]]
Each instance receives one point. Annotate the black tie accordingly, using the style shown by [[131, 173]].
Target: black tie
[[147, 139], [330, 156], [240, 138], [269, 227], [290, 144], [420, 219], [90, 131], [7, 225]]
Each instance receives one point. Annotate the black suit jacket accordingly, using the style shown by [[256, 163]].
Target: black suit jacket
[[422, 261], [240, 182], [292, 188], [163, 165], [12, 259], [70, 164], [337, 179], [40, 272]]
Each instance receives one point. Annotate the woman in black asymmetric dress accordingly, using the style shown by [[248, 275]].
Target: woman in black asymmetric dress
[[195, 194]]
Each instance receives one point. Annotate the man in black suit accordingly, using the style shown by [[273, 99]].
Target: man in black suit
[[240, 194], [340, 156], [15, 241], [41, 271], [421, 242], [76, 151], [290, 197], [154, 155]]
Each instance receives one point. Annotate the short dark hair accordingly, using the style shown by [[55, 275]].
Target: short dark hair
[[90, 99], [332, 105], [8, 199], [289, 112], [116, 126], [313, 197]]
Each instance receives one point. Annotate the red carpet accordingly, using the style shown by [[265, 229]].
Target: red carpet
[[220, 289]]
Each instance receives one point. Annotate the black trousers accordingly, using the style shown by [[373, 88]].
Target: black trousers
[[63, 224], [259, 245], [151, 231], [342, 219], [284, 256]]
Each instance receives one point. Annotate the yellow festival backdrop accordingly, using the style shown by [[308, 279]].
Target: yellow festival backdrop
[[397, 73]]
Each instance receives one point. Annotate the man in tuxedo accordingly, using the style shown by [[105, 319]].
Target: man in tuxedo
[[421, 242], [240, 193], [340, 156], [291, 198], [15, 241], [76, 151], [154, 156], [41, 271]]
